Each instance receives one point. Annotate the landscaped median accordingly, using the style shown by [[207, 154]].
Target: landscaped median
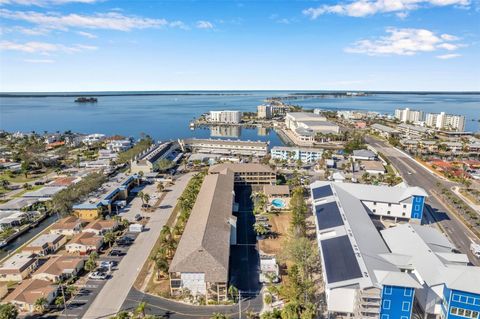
[[153, 278]]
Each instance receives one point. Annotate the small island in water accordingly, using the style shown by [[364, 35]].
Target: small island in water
[[84, 99]]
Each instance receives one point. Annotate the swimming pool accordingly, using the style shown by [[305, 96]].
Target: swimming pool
[[278, 203]]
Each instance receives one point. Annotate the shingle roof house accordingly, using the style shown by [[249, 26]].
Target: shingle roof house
[[204, 249]]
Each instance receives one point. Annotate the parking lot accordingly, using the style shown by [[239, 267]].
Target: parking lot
[[89, 288]]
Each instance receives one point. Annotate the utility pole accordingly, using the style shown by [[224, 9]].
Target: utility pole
[[64, 300], [239, 304]]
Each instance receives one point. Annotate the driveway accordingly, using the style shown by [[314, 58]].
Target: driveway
[[113, 294]]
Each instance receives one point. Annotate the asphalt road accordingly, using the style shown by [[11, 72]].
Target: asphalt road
[[112, 296], [175, 310], [417, 175]]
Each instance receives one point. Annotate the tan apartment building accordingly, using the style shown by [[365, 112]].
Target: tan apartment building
[[247, 174]]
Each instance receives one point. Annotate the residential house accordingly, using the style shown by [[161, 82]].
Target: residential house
[[363, 155], [373, 167], [68, 226], [46, 244], [59, 268], [18, 267], [29, 291], [84, 243], [100, 227]]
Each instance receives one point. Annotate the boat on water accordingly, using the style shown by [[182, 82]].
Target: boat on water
[[83, 99]]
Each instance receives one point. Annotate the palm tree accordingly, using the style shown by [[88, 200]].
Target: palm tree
[[40, 304], [217, 315], [109, 238], [59, 301], [8, 311], [233, 291], [146, 198], [161, 264], [160, 187], [141, 195], [140, 310], [260, 228]]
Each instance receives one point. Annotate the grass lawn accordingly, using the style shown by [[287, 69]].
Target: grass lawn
[[20, 178]]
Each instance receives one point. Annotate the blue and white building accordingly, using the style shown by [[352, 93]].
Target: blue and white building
[[450, 288], [306, 155], [360, 279], [393, 202]]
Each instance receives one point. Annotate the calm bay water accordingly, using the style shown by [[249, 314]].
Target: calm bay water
[[167, 116]]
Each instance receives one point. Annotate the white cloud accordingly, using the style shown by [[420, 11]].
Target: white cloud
[[110, 20], [362, 8], [448, 56], [402, 42], [87, 34], [43, 47], [202, 24], [39, 61]]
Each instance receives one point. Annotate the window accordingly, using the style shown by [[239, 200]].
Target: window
[[385, 316], [374, 203], [404, 205], [468, 313], [461, 312], [405, 306], [374, 210], [387, 290], [456, 297], [389, 205], [475, 314], [408, 292], [403, 214], [403, 317], [453, 311], [388, 212], [470, 300], [386, 304], [417, 207]]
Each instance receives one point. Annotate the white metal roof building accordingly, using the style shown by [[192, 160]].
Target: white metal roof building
[[359, 281], [450, 288]]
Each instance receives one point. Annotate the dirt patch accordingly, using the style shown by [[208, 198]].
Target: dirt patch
[[158, 287], [280, 224]]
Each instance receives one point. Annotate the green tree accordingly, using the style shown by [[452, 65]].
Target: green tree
[[260, 229], [233, 292], [109, 238], [217, 315], [299, 210], [8, 311], [146, 198], [24, 168], [161, 265], [140, 309], [160, 187], [40, 304]]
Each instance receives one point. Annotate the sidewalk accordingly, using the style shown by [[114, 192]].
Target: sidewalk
[[115, 291]]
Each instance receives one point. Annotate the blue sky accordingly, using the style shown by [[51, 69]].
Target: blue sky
[[95, 45]]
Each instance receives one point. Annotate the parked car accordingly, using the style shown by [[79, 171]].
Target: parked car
[[123, 243], [138, 216], [98, 275], [108, 264], [116, 252]]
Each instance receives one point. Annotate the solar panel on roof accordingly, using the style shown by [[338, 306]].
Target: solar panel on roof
[[323, 191], [328, 215], [340, 261]]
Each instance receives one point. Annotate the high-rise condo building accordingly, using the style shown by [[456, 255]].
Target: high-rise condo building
[[407, 115], [446, 121]]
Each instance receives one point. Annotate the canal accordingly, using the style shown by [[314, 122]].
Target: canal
[[20, 240]]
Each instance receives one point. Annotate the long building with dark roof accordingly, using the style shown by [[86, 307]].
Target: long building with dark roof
[[201, 261]]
